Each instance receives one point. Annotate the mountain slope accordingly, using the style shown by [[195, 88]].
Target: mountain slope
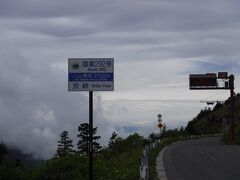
[[212, 121]]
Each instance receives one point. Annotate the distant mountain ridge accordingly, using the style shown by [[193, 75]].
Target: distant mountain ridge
[[27, 160], [127, 129]]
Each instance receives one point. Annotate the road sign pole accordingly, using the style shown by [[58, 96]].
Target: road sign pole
[[231, 85], [90, 153]]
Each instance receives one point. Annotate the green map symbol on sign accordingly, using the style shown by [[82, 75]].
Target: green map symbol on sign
[[75, 66]]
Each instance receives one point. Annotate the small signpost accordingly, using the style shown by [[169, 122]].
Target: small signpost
[[209, 81], [160, 125], [90, 74]]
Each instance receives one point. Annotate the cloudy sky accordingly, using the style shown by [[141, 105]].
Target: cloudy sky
[[156, 44]]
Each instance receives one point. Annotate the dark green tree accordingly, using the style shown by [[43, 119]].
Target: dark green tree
[[18, 163], [113, 140], [83, 136], [181, 129], [83, 143], [65, 146], [3, 151], [190, 129], [217, 106]]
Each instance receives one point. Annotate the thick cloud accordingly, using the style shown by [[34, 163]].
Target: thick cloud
[[156, 44], [35, 106]]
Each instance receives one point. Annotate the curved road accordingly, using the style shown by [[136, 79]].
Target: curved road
[[202, 159]]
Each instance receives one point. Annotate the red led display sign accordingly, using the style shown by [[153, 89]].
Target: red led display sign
[[202, 81]]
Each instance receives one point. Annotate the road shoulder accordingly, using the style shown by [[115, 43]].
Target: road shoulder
[[162, 175]]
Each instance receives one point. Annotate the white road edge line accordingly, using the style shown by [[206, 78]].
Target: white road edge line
[[207, 155], [211, 157], [162, 175]]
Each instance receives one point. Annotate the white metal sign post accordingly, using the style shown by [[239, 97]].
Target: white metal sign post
[[90, 74]]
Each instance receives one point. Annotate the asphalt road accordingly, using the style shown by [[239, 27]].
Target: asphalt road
[[202, 159]]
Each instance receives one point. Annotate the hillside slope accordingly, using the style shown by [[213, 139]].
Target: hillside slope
[[212, 121]]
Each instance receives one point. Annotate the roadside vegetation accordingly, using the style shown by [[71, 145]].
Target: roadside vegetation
[[120, 160]]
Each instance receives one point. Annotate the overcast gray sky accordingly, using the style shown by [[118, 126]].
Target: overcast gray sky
[[156, 44]]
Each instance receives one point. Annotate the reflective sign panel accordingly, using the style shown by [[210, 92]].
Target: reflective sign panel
[[90, 74]]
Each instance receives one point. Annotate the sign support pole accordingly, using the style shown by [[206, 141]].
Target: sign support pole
[[231, 84], [90, 153]]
